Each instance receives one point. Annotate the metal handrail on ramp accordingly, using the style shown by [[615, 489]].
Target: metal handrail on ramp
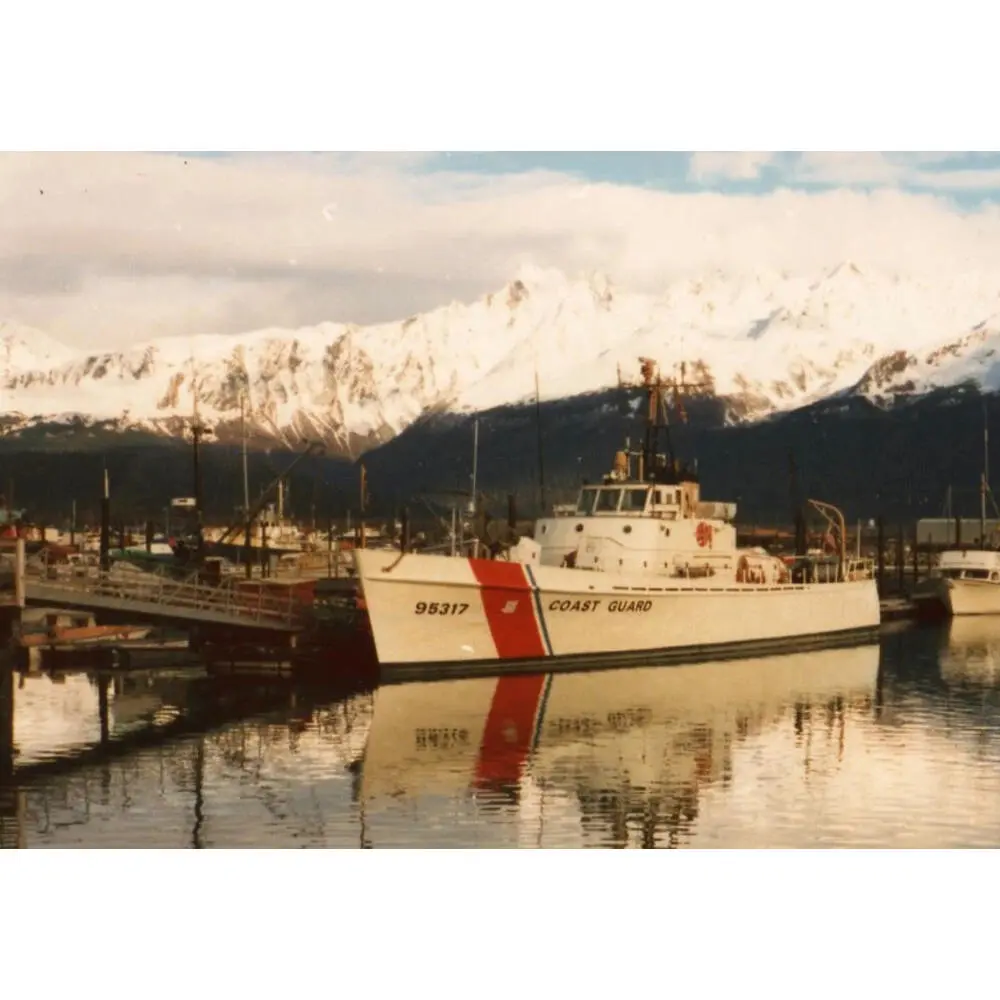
[[124, 587]]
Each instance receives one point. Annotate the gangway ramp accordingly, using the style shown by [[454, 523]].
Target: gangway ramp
[[158, 597]]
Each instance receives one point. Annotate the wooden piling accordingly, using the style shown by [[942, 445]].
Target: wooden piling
[[6, 723], [880, 555], [20, 568], [900, 558], [329, 547], [11, 797], [102, 707]]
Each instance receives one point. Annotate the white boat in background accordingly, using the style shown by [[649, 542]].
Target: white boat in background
[[650, 731], [643, 570], [965, 581]]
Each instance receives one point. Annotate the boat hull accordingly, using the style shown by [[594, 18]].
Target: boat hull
[[971, 597], [434, 615], [940, 597]]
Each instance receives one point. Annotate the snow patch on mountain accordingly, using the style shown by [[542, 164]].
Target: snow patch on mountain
[[764, 342], [973, 359]]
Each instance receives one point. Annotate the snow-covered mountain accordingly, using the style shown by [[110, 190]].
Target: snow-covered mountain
[[765, 343]]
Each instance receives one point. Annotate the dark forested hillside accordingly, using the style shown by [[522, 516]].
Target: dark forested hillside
[[898, 463]]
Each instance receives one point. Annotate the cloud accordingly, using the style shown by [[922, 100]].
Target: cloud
[[930, 171], [847, 169], [727, 166], [103, 250]]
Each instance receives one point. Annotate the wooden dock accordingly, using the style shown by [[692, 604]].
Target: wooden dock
[[897, 609]]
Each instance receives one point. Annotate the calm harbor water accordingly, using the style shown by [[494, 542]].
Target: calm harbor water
[[894, 744]]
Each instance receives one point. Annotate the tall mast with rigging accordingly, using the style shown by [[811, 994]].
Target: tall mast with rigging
[[658, 460]]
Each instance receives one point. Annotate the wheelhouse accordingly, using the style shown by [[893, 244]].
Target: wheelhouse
[[631, 500]]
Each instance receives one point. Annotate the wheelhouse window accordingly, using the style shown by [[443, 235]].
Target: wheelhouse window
[[634, 500], [585, 505], [967, 574], [607, 501]]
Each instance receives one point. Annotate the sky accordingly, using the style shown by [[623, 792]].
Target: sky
[[101, 250]]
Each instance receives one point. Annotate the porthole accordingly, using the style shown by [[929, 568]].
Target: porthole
[[627, 529], [579, 527]]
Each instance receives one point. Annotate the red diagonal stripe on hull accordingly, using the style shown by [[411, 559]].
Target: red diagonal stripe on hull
[[506, 596], [510, 727]]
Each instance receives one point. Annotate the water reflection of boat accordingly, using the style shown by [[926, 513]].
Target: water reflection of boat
[[623, 743], [970, 652]]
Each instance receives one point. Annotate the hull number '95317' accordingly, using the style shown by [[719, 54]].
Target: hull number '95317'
[[439, 608]]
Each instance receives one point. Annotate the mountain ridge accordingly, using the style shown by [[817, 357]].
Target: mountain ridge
[[762, 344]]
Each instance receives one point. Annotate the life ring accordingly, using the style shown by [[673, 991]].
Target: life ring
[[703, 534]]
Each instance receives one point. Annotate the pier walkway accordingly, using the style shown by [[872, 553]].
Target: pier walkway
[[158, 597]]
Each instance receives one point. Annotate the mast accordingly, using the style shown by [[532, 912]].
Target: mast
[[198, 431], [538, 429], [657, 421], [475, 460], [243, 437], [475, 496], [984, 478], [363, 500]]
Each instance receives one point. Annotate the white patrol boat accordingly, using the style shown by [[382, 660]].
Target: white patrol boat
[[642, 570]]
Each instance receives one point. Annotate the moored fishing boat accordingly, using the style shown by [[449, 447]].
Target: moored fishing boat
[[642, 570], [966, 580]]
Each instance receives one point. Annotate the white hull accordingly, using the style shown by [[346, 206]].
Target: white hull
[[437, 611], [960, 597], [972, 597], [447, 738]]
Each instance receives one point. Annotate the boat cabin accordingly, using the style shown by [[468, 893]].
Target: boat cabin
[[970, 564], [652, 527]]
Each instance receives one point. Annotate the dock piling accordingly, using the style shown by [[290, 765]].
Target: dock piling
[[20, 568], [900, 558], [880, 554]]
